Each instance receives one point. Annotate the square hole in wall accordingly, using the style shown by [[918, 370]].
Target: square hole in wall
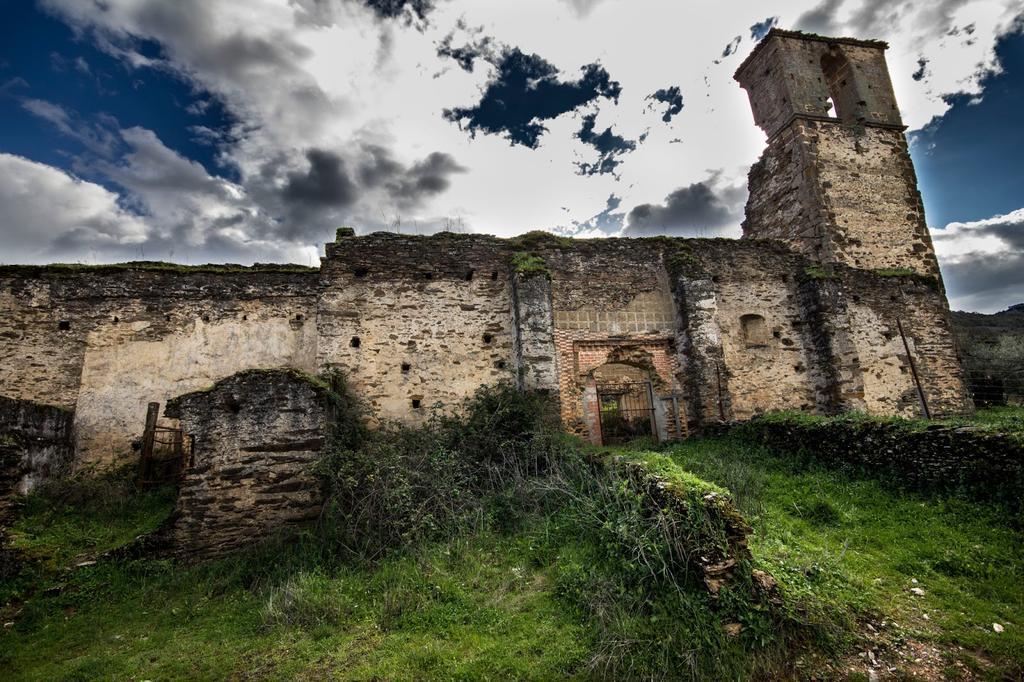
[[416, 403], [64, 325]]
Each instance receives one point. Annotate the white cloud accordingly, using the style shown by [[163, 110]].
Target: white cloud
[[328, 80], [43, 208], [983, 262]]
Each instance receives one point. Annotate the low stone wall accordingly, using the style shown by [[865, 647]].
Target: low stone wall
[[35, 444], [971, 462], [707, 534], [257, 436]]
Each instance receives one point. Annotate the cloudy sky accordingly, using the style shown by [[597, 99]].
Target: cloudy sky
[[248, 130]]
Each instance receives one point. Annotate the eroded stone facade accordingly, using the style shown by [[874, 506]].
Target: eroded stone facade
[[832, 302], [257, 436]]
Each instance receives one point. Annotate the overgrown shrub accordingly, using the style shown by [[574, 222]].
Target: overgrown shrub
[[401, 484]]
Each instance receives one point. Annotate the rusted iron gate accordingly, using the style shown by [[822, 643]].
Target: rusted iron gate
[[627, 411], [165, 452]]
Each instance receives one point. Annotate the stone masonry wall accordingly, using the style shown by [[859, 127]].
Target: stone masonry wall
[[769, 368], [948, 460], [257, 435], [841, 194], [106, 341], [416, 323], [612, 303], [35, 445], [419, 322]]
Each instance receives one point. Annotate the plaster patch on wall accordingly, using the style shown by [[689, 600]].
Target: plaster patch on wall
[[121, 375]]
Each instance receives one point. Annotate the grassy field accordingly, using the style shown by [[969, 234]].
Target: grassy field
[[534, 598], [862, 548]]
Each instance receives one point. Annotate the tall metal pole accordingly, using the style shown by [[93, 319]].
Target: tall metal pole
[[913, 372]]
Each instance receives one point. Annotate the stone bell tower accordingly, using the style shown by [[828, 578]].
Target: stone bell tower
[[836, 181]]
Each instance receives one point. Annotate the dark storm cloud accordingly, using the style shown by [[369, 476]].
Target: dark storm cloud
[[981, 274], [1010, 233], [318, 196], [922, 69], [761, 28], [378, 166], [527, 90], [393, 9], [820, 19], [466, 55], [325, 184], [609, 147], [672, 97], [989, 278], [423, 179], [693, 210], [731, 48]]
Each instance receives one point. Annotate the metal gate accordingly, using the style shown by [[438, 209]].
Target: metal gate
[[627, 411], [166, 452]]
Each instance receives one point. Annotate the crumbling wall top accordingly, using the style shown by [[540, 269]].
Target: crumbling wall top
[[792, 74]]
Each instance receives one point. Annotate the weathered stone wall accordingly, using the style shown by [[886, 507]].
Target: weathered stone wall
[[35, 445], [106, 341], [841, 194], [257, 436], [837, 185], [967, 461], [766, 356], [611, 303], [416, 322], [878, 307]]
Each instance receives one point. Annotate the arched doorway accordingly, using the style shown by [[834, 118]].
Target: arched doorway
[[626, 402]]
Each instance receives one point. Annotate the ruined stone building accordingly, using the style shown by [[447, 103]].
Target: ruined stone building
[[831, 302]]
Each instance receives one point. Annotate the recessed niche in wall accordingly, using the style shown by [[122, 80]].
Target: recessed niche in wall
[[500, 364], [468, 276], [416, 403], [755, 331], [116, 319], [64, 325], [406, 367], [494, 275], [355, 342], [361, 272], [488, 337]]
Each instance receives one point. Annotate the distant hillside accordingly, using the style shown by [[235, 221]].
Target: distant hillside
[[993, 353]]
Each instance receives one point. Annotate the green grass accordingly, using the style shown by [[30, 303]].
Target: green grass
[[529, 264], [547, 595], [82, 517], [855, 547], [477, 607]]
